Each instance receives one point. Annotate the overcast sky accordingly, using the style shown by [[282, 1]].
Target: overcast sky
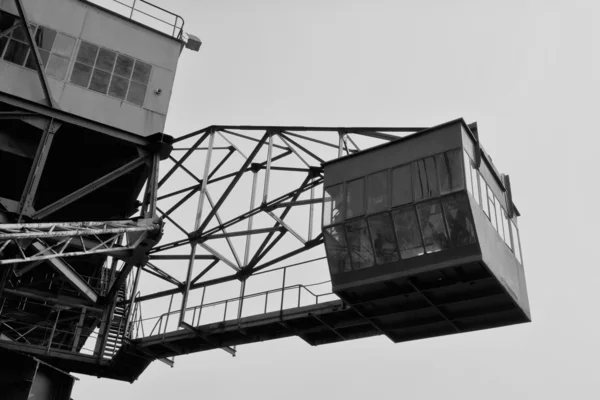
[[526, 71]]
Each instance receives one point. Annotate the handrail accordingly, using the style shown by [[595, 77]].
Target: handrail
[[160, 326], [177, 25]]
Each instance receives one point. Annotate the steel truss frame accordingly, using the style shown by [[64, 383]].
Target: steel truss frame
[[209, 224], [259, 149]]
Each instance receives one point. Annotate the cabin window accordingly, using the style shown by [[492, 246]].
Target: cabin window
[[459, 220], [433, 227], [401, 186], [475, 181], [333, 205], [112, 73], [499, 218], [383, 238], [492, 207], [516, 242], [408, 232], [449, 167], [55, 50], [468, 173], [425, 181], [378, 192], [355, 198], [484, 199], [335, 247], [359, 244], [506, 228]]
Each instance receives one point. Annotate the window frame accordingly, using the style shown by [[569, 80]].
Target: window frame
[[33, 28], [388, 174], [112, 72]]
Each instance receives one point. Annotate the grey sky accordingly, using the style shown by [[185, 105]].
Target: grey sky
[[526, 71]]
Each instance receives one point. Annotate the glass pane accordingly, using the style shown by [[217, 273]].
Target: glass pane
[[137, 93], [87, 53], [401, 186], [355, 198], [516, 242], [335, 247], [499, 217], [19, 34], [475, 179], [433, 227], [6, 21], [425, 180], [378, 192], [449, 166], [81, 74], [333, 205], [359, 244], [44, 38], [506, 229], [106, 60], [118, 87], [460, 222], [57, 67], [483, 190], [468, 178], [44, 55], [141, 72], [64, 45], [492, 207], [3, 42], [408, 233], [384, 241], [124, 66], [100, 81], [16, 52]]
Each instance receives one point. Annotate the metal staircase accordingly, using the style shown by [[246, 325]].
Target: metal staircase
[[118, 326]]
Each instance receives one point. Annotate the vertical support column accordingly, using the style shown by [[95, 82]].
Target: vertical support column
[[242, 293], [251, 218], [53, 331], [78, 329], [132, 300], [268, 169], [188, 280], [341, 144], [150, 198], [311, 213]]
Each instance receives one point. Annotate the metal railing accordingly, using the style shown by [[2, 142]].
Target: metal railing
[[230, 309], [140, 10]]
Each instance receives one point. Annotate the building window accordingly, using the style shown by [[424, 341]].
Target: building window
[[108, 72], [408, 232], [468, 173], [384, 240], [401, 186], [359, 244], [355, 198], [55, 48], [378, 192], [449, 166], [506, 229], [335, 247], [460, 222], [432, 224], [425, 181], [333, 204]]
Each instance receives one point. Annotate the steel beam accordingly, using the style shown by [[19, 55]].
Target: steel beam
[[87, 189], [36, 53], [72, 277]]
